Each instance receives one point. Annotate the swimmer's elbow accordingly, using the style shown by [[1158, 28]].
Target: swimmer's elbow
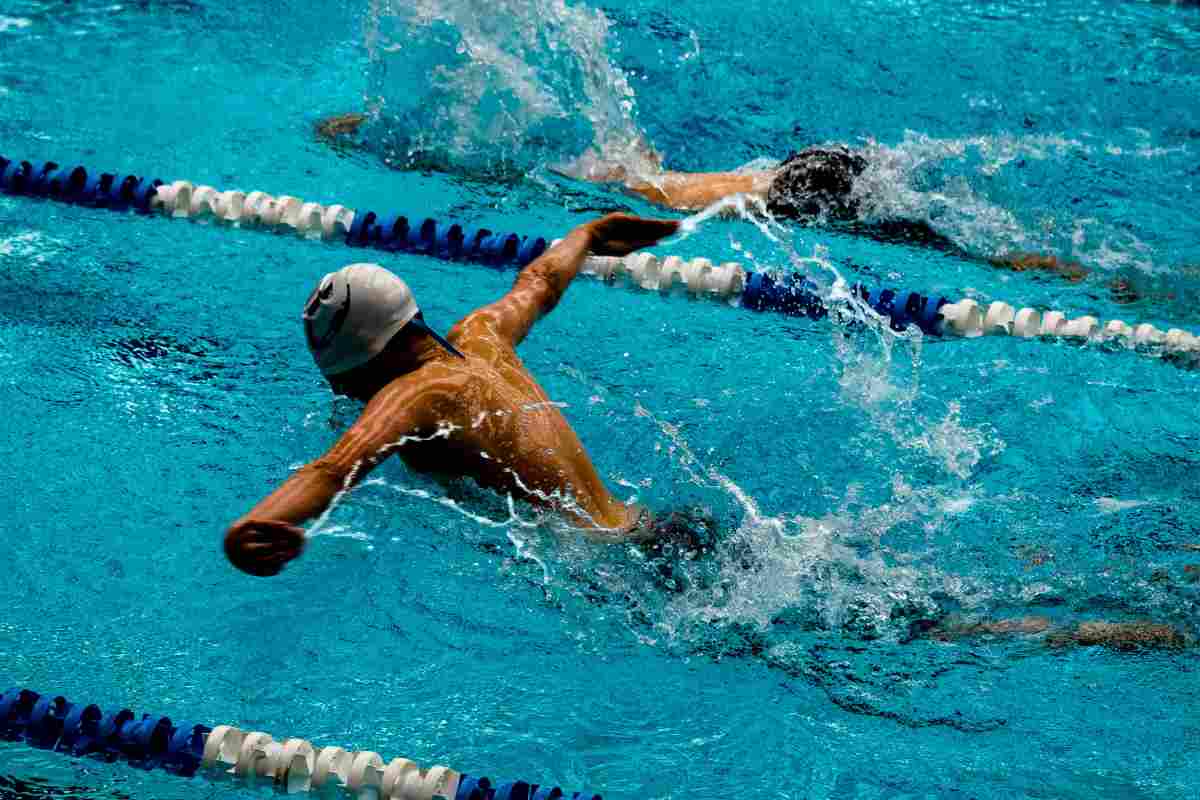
[[654, 194], [539, 285]]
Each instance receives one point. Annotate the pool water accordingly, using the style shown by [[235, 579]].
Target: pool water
[[156, 385]]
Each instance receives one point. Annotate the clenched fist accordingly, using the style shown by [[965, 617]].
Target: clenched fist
[[262, 547]]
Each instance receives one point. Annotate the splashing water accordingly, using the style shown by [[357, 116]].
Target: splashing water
[[827, 573], [513, 88], [800, 590], [938, 181], [509, 86], [840, 595], [905, 182], [770, 571]]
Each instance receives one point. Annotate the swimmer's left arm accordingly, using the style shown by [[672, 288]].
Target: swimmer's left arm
[[686, 191], [539, 287]]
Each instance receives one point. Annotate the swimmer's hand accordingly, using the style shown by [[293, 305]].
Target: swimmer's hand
[[261, 547], [621, 234]]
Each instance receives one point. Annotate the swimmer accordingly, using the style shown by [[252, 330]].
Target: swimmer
[[813, 185], [459, 406]]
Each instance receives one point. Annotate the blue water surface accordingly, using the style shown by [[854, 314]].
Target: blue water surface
[[156, 385]]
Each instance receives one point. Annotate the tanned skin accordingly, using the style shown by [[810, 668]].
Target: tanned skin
[[691, 191], [1122, 636], [340, 125], [483, 416]]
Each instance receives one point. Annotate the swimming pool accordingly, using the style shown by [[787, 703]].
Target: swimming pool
[[156, 385]]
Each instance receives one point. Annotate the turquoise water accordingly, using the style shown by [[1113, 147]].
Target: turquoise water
[[156, 385]]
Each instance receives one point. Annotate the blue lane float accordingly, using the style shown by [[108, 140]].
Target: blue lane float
[[75, 185], [52, 722], [796, 295], [388, 232], [789, 295]]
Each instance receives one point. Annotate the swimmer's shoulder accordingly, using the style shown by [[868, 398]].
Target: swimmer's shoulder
[[425, 397], [479, 334]]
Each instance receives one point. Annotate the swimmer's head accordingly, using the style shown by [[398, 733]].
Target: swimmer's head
[[817, 182], [355, 315]]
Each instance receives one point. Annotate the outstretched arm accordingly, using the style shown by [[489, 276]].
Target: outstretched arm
[[683, 191], [686, 191], [542, 284], [268, 537]]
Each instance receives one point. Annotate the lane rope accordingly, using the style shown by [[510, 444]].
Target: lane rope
[[284, 213], [796, 295], [51, 722], [790, 295]]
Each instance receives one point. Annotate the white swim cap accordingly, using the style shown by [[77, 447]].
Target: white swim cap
[[354, 312]]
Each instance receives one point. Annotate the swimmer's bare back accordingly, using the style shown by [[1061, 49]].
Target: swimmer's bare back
[[483, 417]]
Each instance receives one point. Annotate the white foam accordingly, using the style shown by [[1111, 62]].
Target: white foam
[[500, 75], [14, 23], [32, 246], [888, 188], [1111, 505], [959, 447], [960, 504], [1112, 249]]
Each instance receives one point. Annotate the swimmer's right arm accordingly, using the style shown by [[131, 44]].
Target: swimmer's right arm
[[540, 286], [267, 538], [682, 191], [693, 191]]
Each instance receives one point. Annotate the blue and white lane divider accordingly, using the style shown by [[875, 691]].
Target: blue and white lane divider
[[51, 722], [798, 296], [395, 232], [392, 232], [792, 295]]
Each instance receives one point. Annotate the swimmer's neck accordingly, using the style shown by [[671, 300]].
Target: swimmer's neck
[[420, 353], [399, 365]]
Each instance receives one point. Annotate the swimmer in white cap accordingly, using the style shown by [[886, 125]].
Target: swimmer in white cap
[[462, 405]]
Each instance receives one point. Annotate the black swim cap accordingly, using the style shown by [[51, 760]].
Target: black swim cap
[[816, 182]]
